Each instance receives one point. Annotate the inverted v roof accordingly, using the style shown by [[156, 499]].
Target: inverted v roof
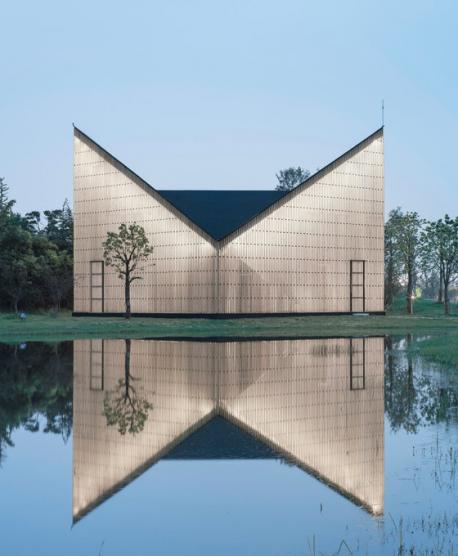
[[219, 438], [246, 444], [220, 215]]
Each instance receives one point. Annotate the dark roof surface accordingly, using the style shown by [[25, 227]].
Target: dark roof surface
[[220, 212], [220, 439]]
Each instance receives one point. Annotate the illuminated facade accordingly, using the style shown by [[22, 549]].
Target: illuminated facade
[[316, 249], [317, 403]]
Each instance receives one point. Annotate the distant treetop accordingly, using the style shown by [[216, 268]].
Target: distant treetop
[[290, 177]]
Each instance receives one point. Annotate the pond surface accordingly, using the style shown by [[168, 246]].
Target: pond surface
[[301, 447]]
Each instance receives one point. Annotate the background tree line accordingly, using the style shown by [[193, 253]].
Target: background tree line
[[37, 390], [421, 258], [416, 397], [36, 257], [36, 254]]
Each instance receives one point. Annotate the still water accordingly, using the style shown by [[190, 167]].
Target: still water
[[301, 447]]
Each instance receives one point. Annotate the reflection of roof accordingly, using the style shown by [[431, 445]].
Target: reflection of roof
[[287, 399], [220, 212], [221, 439], [214, 437]]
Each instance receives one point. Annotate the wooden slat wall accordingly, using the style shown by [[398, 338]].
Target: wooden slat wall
[[177, 378], [302, 404], [295, 395], [180, 275], [297, 257], [293, 258]]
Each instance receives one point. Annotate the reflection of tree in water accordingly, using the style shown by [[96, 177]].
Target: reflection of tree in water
[[36, 383], [123, 406], [413, 399]]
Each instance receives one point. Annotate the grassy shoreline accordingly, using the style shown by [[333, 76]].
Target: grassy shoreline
[[45, 327]]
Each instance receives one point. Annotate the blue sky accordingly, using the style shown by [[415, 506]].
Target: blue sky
[[208, 94]]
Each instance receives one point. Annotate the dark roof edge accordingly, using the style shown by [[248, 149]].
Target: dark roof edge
[[218, 411], [142, 183], [298, 463], [193, 225], [305, 184]]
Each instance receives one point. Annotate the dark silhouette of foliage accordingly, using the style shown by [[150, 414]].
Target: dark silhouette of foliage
[[406, 233], [440, 253], [413, 398], [59, 227], [123, 407], [6, 205], [36, 262], [393, 263], [125, 250], [290, 177], [37, 390]]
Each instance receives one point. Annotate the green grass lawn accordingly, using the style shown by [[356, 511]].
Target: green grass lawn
[[440, 348], [422, 307], [428, 318]]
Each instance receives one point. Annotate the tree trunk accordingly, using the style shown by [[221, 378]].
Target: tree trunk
[[410, 383], [440, 295], [127, 369], [127, 296], [446, 303], [56, 303], [15, 304], [389, 287], [409, 292], [389, 350]]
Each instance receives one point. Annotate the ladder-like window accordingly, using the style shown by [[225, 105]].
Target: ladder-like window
[[97, 286], [96, 365], [357, 364], [357, 286]]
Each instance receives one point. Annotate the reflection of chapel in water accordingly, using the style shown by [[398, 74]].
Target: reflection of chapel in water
[[316, 402]]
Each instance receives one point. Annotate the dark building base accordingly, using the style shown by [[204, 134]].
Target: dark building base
[[224, 315]]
